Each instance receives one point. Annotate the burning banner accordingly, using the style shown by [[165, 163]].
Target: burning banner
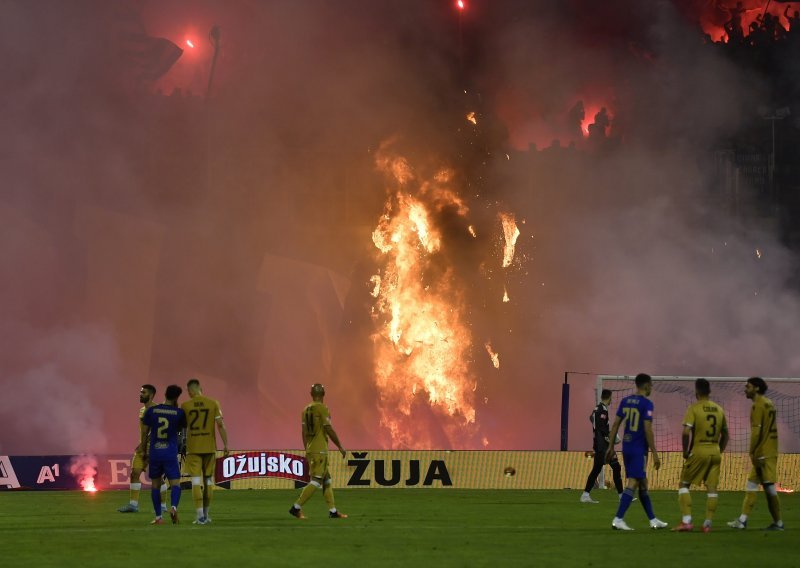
[[423, 344]]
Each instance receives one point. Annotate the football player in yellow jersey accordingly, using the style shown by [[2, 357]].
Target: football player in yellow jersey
[[146, 396], [317, 429], [203, 419], [704, 422], [763, 454]]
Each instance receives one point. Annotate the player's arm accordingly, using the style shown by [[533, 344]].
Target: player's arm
[[332, 435], [143, 442], [651, 442], [602, 427], [724, 437], [686, 441], [756, 431], [786, 12], [223, 433], [613, 436]]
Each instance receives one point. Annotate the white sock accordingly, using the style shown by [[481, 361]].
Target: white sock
[[687, 519], [296, 506], [200, 513], [743, 518], [333, 510]]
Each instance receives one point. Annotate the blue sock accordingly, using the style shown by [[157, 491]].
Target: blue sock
[[624, 502], [175, 495], [156, 496], [644, 497]]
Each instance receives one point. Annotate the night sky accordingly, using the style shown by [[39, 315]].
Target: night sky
[[153, 230]]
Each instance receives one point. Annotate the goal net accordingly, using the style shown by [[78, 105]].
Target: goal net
[[671, 397]]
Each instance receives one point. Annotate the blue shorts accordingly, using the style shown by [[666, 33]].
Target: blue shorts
[[635, 463], [168, 467]]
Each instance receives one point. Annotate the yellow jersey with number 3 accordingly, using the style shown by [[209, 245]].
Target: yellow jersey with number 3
[[201, 417], [764, 428], [707, 421]]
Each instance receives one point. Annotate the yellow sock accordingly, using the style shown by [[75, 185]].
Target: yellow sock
[[749, 502], [711, 506], [685, 502], [774, 505], [328, 493], [208, 490], [306, 494]]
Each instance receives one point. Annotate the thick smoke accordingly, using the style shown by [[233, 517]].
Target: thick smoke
[[151, 238]]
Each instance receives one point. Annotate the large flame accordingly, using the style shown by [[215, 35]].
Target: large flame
[[423, 342]]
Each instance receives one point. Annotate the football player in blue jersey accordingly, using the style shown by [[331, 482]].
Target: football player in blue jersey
[[636, 412], [164, 421]]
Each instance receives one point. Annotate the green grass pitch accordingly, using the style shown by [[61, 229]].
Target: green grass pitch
[[386, 527]]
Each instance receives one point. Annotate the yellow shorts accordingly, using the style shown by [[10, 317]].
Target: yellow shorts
[[317, 464], [200, 465], [137, 462], [765, 472], [702, 466]]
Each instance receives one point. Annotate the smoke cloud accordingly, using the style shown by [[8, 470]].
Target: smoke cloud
[[150, 235]]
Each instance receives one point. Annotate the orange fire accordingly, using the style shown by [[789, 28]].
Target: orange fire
[[472, 118], [510, 234], [492, 355], [422, 343]]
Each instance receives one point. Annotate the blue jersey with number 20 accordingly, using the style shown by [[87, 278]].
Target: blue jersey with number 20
[[634, 410]]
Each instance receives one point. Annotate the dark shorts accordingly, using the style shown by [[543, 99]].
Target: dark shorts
[[635, 463], [168, 467]]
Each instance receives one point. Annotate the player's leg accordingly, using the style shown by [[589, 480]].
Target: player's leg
[[172, 472], [634, 468], [616, 471], [327, 492], [712, 481], [769, 470], [155, 471], [597, 467], [135, 487], [194, 467], [316, 469], [209, 462], [749, 502], [164, 487], [690, 472], [647, 505]]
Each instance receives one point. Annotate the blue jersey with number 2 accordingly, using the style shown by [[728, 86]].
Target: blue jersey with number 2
[[634, 410], [165, 422]]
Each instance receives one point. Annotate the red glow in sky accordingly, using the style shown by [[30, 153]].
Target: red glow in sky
[[460, 4]]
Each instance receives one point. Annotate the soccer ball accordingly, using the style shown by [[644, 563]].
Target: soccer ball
[[509, 471]]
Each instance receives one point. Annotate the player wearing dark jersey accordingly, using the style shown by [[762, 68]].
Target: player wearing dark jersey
[[317, 429], [636, 412], [600, 429], [161, 424], [705, 435], [763, 455]]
